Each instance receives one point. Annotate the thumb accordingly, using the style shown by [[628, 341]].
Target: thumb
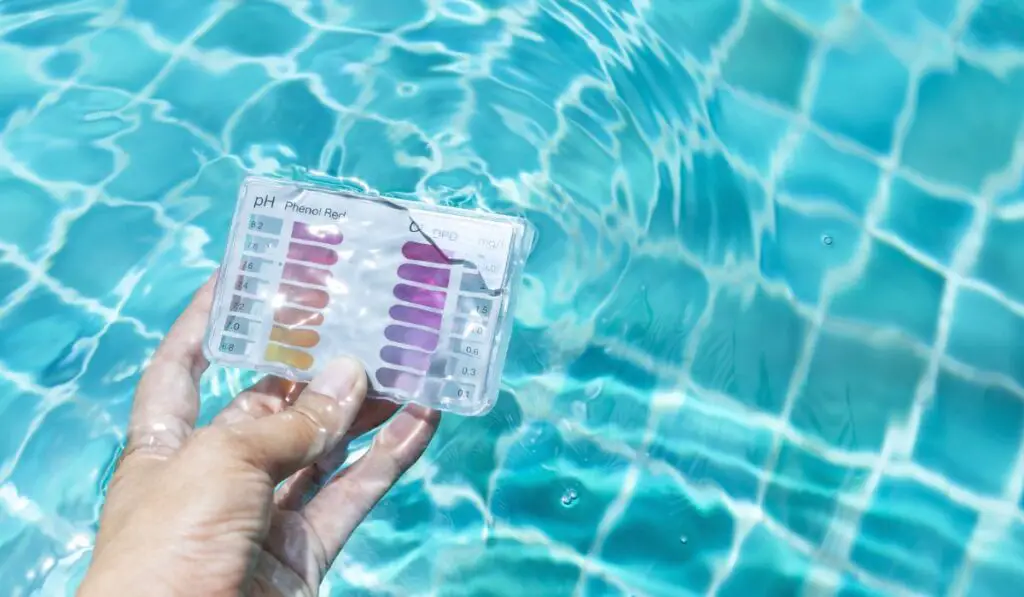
[[287, 441]]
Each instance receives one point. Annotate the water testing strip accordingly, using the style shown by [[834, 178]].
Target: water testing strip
[[301, 295]]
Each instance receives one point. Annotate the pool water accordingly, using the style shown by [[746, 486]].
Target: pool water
[[769, 343]]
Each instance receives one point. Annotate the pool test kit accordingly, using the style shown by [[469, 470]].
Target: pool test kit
[[421, 294]]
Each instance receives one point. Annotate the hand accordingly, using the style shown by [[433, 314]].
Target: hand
[[195, 512]]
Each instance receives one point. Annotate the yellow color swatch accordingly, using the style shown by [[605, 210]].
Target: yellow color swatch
[[293, 337], [288, 356]]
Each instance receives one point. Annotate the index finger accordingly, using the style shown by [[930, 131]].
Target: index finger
[[167, 397]]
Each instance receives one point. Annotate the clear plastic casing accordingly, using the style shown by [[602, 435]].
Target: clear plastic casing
[[421, 294]]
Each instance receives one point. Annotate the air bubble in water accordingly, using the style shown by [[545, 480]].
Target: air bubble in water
[[683, 540], [827, 240], [569, 497]]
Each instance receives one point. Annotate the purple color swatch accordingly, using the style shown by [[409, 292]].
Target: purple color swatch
[[423, 252], [420, 296], [391, 378], [425, 275], [412, 337], [413, 359], [416, 316]]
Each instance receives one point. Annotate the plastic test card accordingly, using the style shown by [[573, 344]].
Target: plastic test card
[[421, 294]]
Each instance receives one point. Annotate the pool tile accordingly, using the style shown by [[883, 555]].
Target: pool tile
[[78, 443], [733, 357], [541, 469], [290, 118], [206, 98], [121, 58], [18, 410], [767, 565], [331, 57], [508, 146], [862, 67], [817, 13], [747, 129], [997, 572], [996, 25], [382, 168], [172, 19], [854, 391], [806, 492], [654, 307], [200, 202], [717, 211], [931, 223], [934, 146], [27, 554], [651, 528], [12, 278], [986, 334], [53, 330], [466, 570], [26, 211], [969, 423], [694, 27], [114, 369], [160, 156], [770, 58], [910, 17], [60, 143], [911, 306], [604, 407], [51, 30], [599, 363], [793, 253], [998, 264], [22, 90], [255, 28], [436, 100], [913, 535], [62, 65], [103, 245], [819, 171], [711, 447]]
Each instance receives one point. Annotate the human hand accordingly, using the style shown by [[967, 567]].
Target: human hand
[[195, 512]]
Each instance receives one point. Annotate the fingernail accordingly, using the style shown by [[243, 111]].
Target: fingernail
[[338, 378]]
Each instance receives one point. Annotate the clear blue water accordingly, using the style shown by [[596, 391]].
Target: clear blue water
[[769, 343]]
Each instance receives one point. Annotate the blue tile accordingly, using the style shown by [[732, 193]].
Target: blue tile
[[806, 490], [17, 412], [53, 330], [693, 26], [748, 130], [383, 16], [818, 13], [288, 117], [371, 153], [173, 19], [63, 64], [767, 565], [998, 572], [1001, 256], [717, 211], [27, 555], [331, 56], [985, 334], [652, 528], [500, 142], [733, 357], [862, 67], [710, 448], [121, 58], [51, 29], [458, 36], [854, 391], [793, 253], [913, 535], [819, 171], [255, 28], [540, 469], [160, 156], [909, 18], [115, 367], [997, 25], [912, 306], [948, 119], [971, 433], [474, 571], [22, 90], [932, 224], [205, 98], [655, 307], [102, 246], [60, 143], [11, 279], [436, 99], [26, 211], [76, 442], [770, 58]]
